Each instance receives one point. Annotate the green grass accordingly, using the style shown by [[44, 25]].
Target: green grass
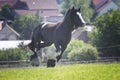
[[67, 72]]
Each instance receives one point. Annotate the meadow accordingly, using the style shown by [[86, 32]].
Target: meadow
[[97, 71]]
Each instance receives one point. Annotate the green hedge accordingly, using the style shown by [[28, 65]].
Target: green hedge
[[13, 54], [83, 54], [78, 50]]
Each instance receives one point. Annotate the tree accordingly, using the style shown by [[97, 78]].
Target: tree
[[7, 12], [106, 34], [25, 24], [86, 11], [64, 6], [117, 1]]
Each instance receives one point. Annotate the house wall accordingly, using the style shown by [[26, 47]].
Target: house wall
[[53, 19], [7, 34], [50, 15], [7, 44], [111, 5], [48, 12]]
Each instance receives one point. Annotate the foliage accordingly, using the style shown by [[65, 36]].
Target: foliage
[[106, 34], [78, 50], [14, 54], [99, 71], [25, 24], [86, 10], [11, 54], [74, 44], [7, 12], [117, 1], [83, 54]]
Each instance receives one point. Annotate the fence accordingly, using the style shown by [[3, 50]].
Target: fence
[[4, 64], [100, 60]]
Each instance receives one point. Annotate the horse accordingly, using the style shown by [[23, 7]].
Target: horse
[[58, 34]]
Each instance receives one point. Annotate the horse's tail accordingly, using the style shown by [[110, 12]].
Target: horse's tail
[[31, 44]]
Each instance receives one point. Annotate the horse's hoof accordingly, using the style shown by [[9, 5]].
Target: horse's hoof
[[35, 61], [51, 63]]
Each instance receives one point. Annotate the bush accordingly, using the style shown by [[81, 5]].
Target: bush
[[83, 54], [74, 44], [78, 50], [13, 54]]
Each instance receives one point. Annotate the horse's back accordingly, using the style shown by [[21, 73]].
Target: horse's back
[[49, 25], [47, 30]]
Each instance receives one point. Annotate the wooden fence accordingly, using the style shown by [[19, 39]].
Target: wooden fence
[[5, 64]]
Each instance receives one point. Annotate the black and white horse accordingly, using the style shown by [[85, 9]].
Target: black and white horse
[[58, 34]]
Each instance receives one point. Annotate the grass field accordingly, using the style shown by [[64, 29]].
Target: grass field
[[66, 72]]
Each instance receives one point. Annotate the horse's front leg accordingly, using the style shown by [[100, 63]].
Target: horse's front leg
[[57, 46], [62, 50]]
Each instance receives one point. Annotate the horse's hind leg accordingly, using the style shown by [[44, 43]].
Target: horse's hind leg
[[35, 61], [42, 45], [39, 52]]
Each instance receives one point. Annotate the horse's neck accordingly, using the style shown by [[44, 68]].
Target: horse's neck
[[68, 25]]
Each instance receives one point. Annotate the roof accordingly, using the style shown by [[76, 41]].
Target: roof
[[96, 2], [22, 12], [13, 30], [12, 2], [1, 27], [102, 3], [102, 7], [41, 4]]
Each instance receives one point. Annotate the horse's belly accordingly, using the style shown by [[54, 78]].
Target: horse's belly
[[47, 35]]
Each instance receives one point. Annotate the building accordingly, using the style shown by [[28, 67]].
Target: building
[[82, 33], [102, 6], [7, 33], [48, 9]]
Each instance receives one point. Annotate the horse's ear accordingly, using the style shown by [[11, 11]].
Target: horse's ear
[[79, 8], [73, 8]]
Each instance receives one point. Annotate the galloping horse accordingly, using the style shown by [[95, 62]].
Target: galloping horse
[[58, 34]]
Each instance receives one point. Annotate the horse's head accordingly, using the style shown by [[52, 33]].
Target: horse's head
[[76, 17]]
